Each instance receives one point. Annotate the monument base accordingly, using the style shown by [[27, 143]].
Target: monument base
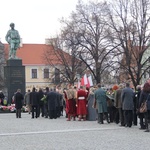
[[14, 74]]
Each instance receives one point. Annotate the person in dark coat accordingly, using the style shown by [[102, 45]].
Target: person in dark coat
[[58, 104], [1, 98], [34, 102], [52, 104], [18, 102], [45, 103], [137, 103], [100, 99], [118, 104], [145, 96], [41, 103], [127, 104]]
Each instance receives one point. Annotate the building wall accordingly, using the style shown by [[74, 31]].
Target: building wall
[[147, 74], [38, 82]]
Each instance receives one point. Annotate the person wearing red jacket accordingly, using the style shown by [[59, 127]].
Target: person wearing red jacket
[[81, 104]]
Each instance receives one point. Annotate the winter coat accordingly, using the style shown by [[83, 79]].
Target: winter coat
[[118, 103], [34, 101], [127, 96], [143, 97], [52, 100], [100, 97], [40, 96], [18, 100], [27, 98]]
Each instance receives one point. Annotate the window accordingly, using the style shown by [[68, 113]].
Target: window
[[46, 73], [34, 73]]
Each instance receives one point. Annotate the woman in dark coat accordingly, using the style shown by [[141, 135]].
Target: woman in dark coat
[[137, 105], [145, 95], [18, 103]]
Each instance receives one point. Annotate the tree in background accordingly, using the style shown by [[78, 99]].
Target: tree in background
[[129, 21], [88, 29], [64, 59]]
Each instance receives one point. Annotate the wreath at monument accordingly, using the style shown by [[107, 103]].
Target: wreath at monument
[[11, 109]]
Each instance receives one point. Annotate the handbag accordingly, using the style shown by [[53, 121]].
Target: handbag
[[143, 107]]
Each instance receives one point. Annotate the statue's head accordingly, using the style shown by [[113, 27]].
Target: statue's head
[[12, 25]]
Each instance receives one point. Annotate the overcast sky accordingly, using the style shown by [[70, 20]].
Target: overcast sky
[[34, 19]]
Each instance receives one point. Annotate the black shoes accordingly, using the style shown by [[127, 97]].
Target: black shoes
[[147, 130]]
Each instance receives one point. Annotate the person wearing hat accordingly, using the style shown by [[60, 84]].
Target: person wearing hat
[[13, 39]]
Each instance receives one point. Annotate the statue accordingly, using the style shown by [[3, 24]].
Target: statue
[[13, 38]]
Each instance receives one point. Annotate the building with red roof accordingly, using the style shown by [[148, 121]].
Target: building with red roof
[[38, 73]]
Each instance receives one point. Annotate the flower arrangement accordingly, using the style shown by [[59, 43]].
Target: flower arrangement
[[24, 109], [11, 108]]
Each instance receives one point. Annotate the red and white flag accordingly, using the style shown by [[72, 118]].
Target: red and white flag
[[90, 80], [86, 81]]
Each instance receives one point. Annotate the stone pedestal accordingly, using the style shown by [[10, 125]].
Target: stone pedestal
[[14, 74]]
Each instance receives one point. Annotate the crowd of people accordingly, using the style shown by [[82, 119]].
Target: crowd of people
[[120, 104]]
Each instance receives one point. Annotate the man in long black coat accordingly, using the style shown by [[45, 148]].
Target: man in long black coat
[[52, 104], [34, 101], [18, 103]]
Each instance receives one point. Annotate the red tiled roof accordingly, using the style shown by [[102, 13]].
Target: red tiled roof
[[31, 54]]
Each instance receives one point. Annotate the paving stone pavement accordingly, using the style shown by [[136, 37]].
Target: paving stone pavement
[[58, 134]]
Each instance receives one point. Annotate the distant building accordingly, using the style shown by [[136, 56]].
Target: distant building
[[38, 73], [146, 57], [124, 75]]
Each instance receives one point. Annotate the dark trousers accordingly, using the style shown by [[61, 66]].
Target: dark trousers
[[46, 110], [121, 116], [101, 117], [116, 115], [142, 122], [52, 114], [34, 110], [41, 110], [58, 111], [128, 117], [18, 113], [110, 113], [147, 119], [134, 117], [61, 110]]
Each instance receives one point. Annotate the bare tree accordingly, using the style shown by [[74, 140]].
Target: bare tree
[[88, 29], [64, 59], [130, 20]]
